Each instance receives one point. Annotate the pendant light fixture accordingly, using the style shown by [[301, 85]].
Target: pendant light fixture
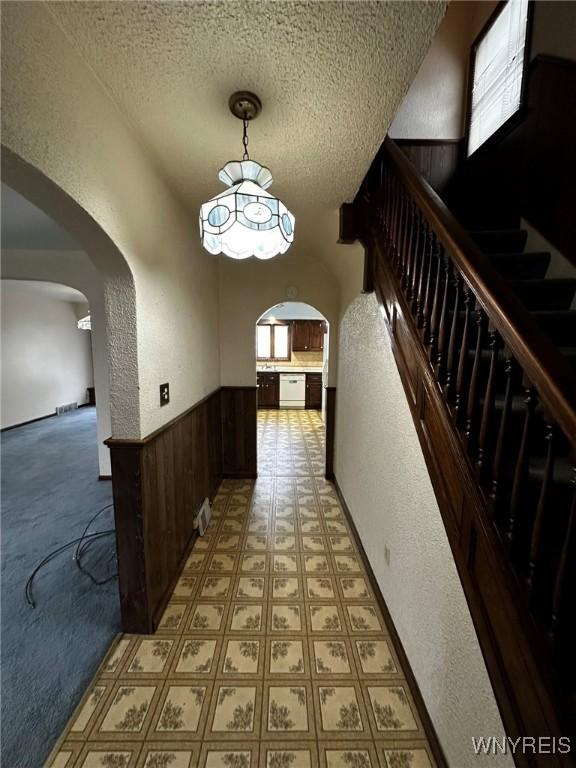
[[246, 220]]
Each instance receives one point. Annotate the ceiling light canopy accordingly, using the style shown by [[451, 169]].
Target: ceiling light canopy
[[246, 220]]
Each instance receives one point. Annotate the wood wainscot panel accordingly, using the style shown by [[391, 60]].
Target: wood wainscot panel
[[159, 484], [330, 431], [239, 431]]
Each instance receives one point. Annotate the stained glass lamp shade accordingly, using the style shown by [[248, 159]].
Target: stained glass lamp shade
[[245, 220]]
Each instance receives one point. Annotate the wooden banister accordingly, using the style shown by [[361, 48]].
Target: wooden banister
[[555, 381], [494, 405]]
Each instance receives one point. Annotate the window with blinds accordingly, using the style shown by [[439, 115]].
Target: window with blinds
[[498, 70]]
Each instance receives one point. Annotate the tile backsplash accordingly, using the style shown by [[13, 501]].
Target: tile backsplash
[[304, 359]]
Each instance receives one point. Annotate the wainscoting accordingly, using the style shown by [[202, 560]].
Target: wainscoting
[[159, 483]]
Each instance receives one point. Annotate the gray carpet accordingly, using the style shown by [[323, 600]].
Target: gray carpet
[[50, 490]]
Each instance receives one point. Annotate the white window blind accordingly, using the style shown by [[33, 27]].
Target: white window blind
[[498, 71], [281, 341], [263, 341]]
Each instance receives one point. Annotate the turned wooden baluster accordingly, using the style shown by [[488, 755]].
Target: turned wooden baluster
[[502, 440], [472, 405], [437, 262], [461, 382], [411, 250], [565, 558], [395, 219], [418, 264], [519, 485], [488, 409], [547, 481], [402, 234], [443, 324], [450, 382], [424, 288]]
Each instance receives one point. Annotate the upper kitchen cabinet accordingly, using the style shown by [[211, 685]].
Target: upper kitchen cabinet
[[308, 335]]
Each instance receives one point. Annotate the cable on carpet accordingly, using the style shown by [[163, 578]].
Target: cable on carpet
[[80, 542]]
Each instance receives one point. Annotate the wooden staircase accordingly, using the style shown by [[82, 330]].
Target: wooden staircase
[[484, 345]]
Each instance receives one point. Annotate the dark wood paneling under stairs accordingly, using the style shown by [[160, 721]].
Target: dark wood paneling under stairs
[[494, 403]]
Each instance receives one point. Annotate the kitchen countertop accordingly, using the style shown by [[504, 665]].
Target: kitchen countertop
[[293, 369]]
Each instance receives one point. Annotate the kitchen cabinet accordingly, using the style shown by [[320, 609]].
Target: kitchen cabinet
[[268, 390], [314, 390], [308, 335]]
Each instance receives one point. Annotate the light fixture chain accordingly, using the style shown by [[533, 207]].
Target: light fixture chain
[[245, 137]]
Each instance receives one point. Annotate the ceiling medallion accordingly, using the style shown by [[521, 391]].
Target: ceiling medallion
[[245, 220]]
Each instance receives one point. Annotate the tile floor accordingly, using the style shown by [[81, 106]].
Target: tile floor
[[272, 652]]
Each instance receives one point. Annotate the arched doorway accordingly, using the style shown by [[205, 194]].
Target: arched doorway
[[292, 363], [75, 618]]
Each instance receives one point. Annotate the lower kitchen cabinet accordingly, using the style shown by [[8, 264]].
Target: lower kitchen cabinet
[[268, 390], [313, 390]]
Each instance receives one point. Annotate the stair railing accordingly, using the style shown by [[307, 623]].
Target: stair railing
[[510, 395]]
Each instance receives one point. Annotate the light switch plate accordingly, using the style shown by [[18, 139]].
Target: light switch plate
[[164, 394]]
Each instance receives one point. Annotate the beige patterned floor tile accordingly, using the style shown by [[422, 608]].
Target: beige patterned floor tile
[[195, 657], [359, 754], [235, 712], [316, 564], [174, 618], [150, 656], [286, 618], [390, 709], [354, 588], [250, 588], [242, 657], [182, 711], [185, 586], [341, 712], [288, 711], [278, 754], [228, 755], [254, 563], [319, 588], [325, 618], [169, 755], [196, 562], [374, 658], [397, 754], [89, 707], [99, 754], [208, 617], [363, 619], [286, 588], [272, 633], [64, 756], [247, 618], [116, 656], [222, 563], [285, 564], [331, 658], [286, 656], [128, 711], [347, 564]]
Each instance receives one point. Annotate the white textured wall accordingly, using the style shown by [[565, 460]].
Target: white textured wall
[[249, 288], [435, 104], [46, 360], [75, 269], [60, 119], [381, 471]]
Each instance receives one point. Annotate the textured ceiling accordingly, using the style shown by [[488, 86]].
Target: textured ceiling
[[330, 76]]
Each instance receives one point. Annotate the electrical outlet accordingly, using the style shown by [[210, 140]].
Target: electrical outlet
[[387, 554], [164, 394]]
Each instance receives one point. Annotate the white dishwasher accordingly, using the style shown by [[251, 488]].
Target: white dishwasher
[[292, 390]]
